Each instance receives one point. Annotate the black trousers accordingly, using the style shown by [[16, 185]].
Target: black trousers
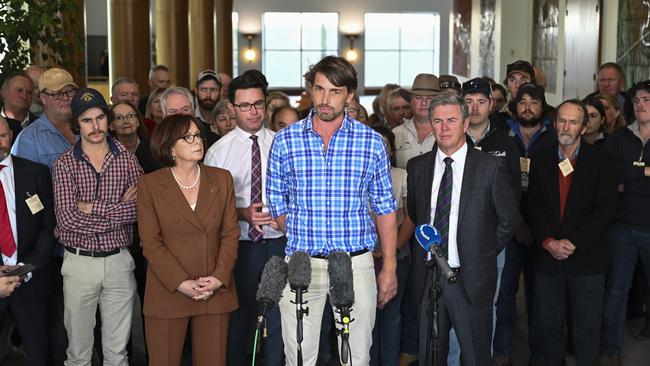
[[582, 298], [31, 319], [472, 323]]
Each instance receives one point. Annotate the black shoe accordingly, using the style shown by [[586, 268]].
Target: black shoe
[[643, 334]]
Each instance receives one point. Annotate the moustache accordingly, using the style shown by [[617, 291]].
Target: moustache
[[98, 132]]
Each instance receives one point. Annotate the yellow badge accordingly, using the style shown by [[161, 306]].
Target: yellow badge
[[565, 167], [524, 164], [35, 204]]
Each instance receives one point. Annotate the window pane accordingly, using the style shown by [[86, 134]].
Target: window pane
[[413, 63], [382, 31], [381, 67], [417, 31], [281, 31], [282, 68], [319, 30]]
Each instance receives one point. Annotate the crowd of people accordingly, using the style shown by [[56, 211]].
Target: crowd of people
[[178, 199]]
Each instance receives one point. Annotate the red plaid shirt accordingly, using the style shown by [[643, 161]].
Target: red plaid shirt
[[110, 224]]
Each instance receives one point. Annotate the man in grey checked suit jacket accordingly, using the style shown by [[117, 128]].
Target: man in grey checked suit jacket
[[482, 218]]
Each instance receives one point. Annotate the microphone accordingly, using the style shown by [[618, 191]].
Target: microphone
[[269, 290], [339, 269], [429, 239], [299, 280]]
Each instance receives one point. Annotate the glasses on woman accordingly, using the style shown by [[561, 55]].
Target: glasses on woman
[[191, 137], [124, 117]]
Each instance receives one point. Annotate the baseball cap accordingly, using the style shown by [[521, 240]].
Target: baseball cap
[[533, 90], [87, 98], [425, 84], [521, 66], [477, 85], [208, 75], [639, 85], [449, 82], [55, 79]]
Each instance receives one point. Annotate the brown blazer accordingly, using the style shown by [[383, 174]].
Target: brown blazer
[[182, 244]]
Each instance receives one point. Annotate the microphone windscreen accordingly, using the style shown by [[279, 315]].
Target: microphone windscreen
[[426, 236], [274, 279], [299, 270], [339, 269]]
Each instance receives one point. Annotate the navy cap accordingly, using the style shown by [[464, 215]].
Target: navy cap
[[477, 85], [87, 98], [448, 82], [639, 85], [521, 66], [533, 90]]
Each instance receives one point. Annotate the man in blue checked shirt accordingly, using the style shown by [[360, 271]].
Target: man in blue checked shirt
[[323, 174]]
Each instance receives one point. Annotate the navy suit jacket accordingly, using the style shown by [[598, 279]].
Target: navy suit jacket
[[487, 217], [35, 234]]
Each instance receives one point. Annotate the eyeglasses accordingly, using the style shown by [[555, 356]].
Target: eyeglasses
[[245, 107], [63, 94], [190, 138], [125, 117]]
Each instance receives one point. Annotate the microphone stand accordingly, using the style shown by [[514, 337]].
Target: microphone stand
[[265, 337], [435, 291], [344, 332], [300, 311]]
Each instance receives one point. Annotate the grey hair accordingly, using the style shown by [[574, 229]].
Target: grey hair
[[174, 90], [123, 80], [396, 93], [447, 99], [220, 107]]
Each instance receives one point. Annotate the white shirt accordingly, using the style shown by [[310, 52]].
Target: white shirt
[[407, 143], [233, 153], [457, 170], [7, 179], [23, 123]]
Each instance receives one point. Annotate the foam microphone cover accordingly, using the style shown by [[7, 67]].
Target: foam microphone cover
[[427, 235], [274, 279], [299, 270], [340, 274]]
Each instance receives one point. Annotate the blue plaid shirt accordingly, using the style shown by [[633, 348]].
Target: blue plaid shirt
[[326, 195]]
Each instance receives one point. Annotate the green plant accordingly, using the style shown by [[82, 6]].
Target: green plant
[[32, 30]]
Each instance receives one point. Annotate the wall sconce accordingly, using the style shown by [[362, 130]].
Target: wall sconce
[[351, 54], [250, 55]]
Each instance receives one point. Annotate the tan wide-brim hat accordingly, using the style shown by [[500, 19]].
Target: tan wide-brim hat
[[425, 84]]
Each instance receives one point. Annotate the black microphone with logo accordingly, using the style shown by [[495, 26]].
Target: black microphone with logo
[[339, 269], [269, 292], [299, 280]]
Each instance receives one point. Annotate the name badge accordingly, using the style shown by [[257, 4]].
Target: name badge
[[478, 148], [639, 163], [34, 203], [524, 164], [565, 167]]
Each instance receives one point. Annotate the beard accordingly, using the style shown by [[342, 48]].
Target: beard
[[566, 139], [530, 120], [327, 116], [207, 103]]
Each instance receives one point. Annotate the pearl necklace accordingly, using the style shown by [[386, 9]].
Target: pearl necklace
[[196, 180]]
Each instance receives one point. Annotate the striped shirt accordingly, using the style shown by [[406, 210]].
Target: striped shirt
[[110, 224], [325, 195]]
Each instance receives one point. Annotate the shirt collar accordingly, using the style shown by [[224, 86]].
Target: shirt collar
[[113, 148], [243, 135], [308, 123], [560, 154], [7, 162], [457, 157]]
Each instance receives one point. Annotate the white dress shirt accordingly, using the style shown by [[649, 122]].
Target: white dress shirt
[[233, 153], [457, 170], [7, 179]]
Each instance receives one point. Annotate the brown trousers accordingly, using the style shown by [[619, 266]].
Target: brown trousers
[[165, 339]]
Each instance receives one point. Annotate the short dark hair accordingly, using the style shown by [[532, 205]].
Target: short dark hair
[[280, 110], [578, 103], [336, 69], [141, 131], [595, 102], [13, 75], [155, 68], [390, 136], [167, 132], [251, 79]]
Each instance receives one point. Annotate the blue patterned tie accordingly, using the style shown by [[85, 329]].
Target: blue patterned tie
[[256, 185], [443, 204]]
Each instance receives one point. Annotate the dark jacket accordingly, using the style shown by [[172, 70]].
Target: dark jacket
[[588, 211], [633, 207]]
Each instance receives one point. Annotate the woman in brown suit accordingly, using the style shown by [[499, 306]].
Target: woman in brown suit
[[189, 234]]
